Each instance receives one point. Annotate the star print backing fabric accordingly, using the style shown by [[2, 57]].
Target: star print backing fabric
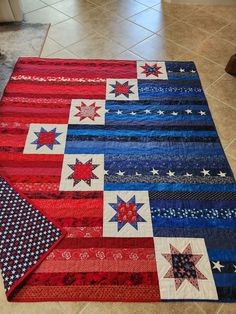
[[125, 157], [26, 237]]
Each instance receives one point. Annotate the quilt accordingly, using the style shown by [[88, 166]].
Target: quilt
[[125, 158]]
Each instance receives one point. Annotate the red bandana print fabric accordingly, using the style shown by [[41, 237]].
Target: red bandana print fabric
[[124, 156]]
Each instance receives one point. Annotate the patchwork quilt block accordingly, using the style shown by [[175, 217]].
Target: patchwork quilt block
[[124, 156]]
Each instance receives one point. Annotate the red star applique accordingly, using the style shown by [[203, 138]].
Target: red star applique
[[183, 266], [151, 70], [83, 172], [87, 111], [47, 138], [121, 89], [126, 212]]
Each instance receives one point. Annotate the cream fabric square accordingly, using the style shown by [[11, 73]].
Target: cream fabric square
[[87, 111], [46, 139], [82, 172], [151, 70], [184, 270], [127, 214], [122, 89]]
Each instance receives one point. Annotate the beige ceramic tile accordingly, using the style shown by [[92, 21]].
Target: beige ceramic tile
[[184, 34], [127, 33], [73, 307], [149, 3], [217, 50], [63, 54], [49, 2], [125, 8], [142, 308], [73, 7], [96, 46], [209, 71], [50, 47], [98, 19], [227, 12], [158, 48], [179, 11], [228, 33], [225, 90], [228, 308], [45, 15], [101, 3], [29, 5], [68, 32], [206, 21], [152, 20], [31, 308], [224, 118], [128, 55], [98, 14]]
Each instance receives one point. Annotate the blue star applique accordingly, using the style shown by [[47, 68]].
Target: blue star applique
[[126, 213], [48, 138]]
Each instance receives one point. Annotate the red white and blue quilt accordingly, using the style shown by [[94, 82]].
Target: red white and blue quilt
[[124, 156]]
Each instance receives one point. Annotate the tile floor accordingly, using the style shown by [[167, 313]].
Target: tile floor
[[144, 29]]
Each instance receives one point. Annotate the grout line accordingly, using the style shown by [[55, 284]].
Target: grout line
[[126, 18], [154, 32], [187, 15], [148, 6], [24, 13], [215, 81], [51, 55], [217, 13], [209, 35], [45, 38], [138, 44], [85, 307], [91, 1], [220, 29], [230, 42], [234, 159], [127, 50], [218, 311], [51, 3], [50, 6], [211, 15], [61, 307], [226, 104], [197, 28], [200, 308], [100, 34], [123, 20], [231, 142], [190, 50], [69, 17], [71, 43]]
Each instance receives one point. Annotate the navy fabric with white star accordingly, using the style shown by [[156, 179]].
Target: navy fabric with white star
[[25, 235]]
